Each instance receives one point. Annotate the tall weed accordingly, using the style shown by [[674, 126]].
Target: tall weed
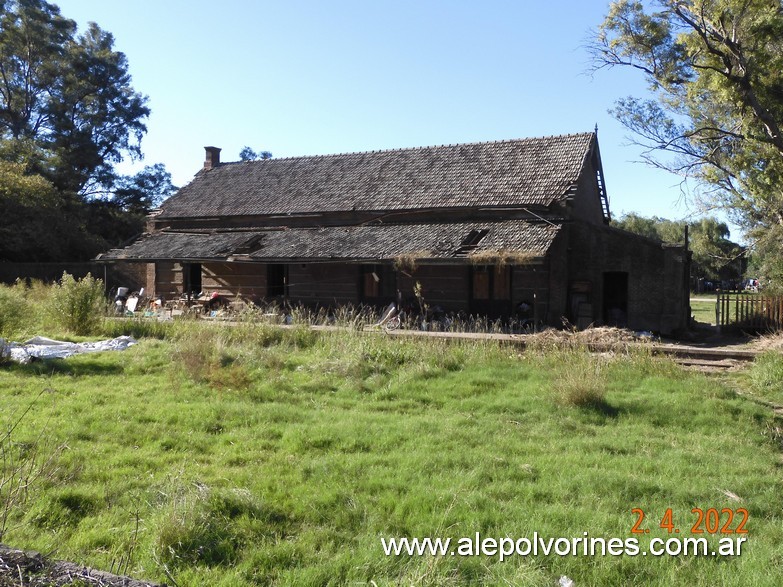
[[78, 305], [766, 376], [14, 310], [581, 381]]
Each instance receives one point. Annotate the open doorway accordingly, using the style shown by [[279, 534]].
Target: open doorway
[[192, 278], [616, 299], [276, 280]]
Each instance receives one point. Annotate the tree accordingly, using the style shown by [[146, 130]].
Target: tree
[[715, 257], [68, 115], [28, 204], [248, 154], [715, 70], [67, 108], [141, 193]]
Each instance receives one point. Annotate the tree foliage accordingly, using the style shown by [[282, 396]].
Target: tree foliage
[[68, 115], [715, 256], [140, 193], [715, 70], [248, 154], [65, 99]]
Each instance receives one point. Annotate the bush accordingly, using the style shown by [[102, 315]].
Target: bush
[[13, 310], [78, 305]]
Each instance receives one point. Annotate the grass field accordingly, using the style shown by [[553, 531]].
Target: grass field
[[261, 456], [703, 310]]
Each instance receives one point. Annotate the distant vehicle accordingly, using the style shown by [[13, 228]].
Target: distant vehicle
[[752, 285]]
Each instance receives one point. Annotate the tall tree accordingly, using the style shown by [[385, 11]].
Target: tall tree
[[140, 193], [715, 69], [715, 256], [67, 107]]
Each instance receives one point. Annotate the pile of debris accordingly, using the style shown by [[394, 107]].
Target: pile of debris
[[19, 568], [602, 338], [41, 347]]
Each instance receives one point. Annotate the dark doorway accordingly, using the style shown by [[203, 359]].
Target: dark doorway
[[490, 292], [378, 285], [616, 299], [192, 275], [276, 280]]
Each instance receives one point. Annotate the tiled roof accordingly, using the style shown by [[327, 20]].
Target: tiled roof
[[430, 241], [522, 172]]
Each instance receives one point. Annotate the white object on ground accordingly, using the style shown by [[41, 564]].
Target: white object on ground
[[41, 347]]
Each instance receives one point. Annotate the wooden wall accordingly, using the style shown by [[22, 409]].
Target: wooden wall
[[246, 280], [168, 280], [443, 285], [323, 284]]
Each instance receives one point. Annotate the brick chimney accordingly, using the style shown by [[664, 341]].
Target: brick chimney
[[213, 158]]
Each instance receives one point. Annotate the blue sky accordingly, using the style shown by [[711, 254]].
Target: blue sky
[[304, 77]]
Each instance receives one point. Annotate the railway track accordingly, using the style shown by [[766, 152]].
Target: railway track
[[707, 359]]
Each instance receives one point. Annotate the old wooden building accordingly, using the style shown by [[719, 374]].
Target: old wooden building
[[484, 228]]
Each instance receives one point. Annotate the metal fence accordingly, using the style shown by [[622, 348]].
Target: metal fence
[[750, 312]]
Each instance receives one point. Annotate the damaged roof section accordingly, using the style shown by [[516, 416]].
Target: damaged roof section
[[439, 242], [524, 172]]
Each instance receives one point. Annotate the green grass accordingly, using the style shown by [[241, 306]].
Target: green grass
[[262, 456], [703, 311]]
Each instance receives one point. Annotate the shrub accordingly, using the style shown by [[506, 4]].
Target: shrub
[[13, 310], [78, 305]]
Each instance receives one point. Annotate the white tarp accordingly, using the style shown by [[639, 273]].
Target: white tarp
[[40, 347]]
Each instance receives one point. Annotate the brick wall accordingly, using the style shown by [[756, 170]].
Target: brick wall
[[657, 278]]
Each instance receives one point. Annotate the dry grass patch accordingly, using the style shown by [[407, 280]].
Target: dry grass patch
[[769, 342], [501, 257], [599, 338], [408, 262]]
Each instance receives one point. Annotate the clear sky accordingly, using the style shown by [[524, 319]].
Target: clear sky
[[307, 77]]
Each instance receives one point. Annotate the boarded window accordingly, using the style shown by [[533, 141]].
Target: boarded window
[[378, 283], [502, 285], [481, 283]]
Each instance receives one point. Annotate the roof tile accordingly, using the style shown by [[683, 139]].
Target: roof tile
[[522, 172]]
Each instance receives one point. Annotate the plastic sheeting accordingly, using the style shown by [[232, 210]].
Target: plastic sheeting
[[41, 347]]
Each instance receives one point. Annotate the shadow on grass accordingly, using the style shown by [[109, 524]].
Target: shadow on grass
[[66, 367], [602, 407]]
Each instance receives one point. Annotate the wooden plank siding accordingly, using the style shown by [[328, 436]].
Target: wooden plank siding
[[246, 280], [323, 284], [442, 285], [168, 279]]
